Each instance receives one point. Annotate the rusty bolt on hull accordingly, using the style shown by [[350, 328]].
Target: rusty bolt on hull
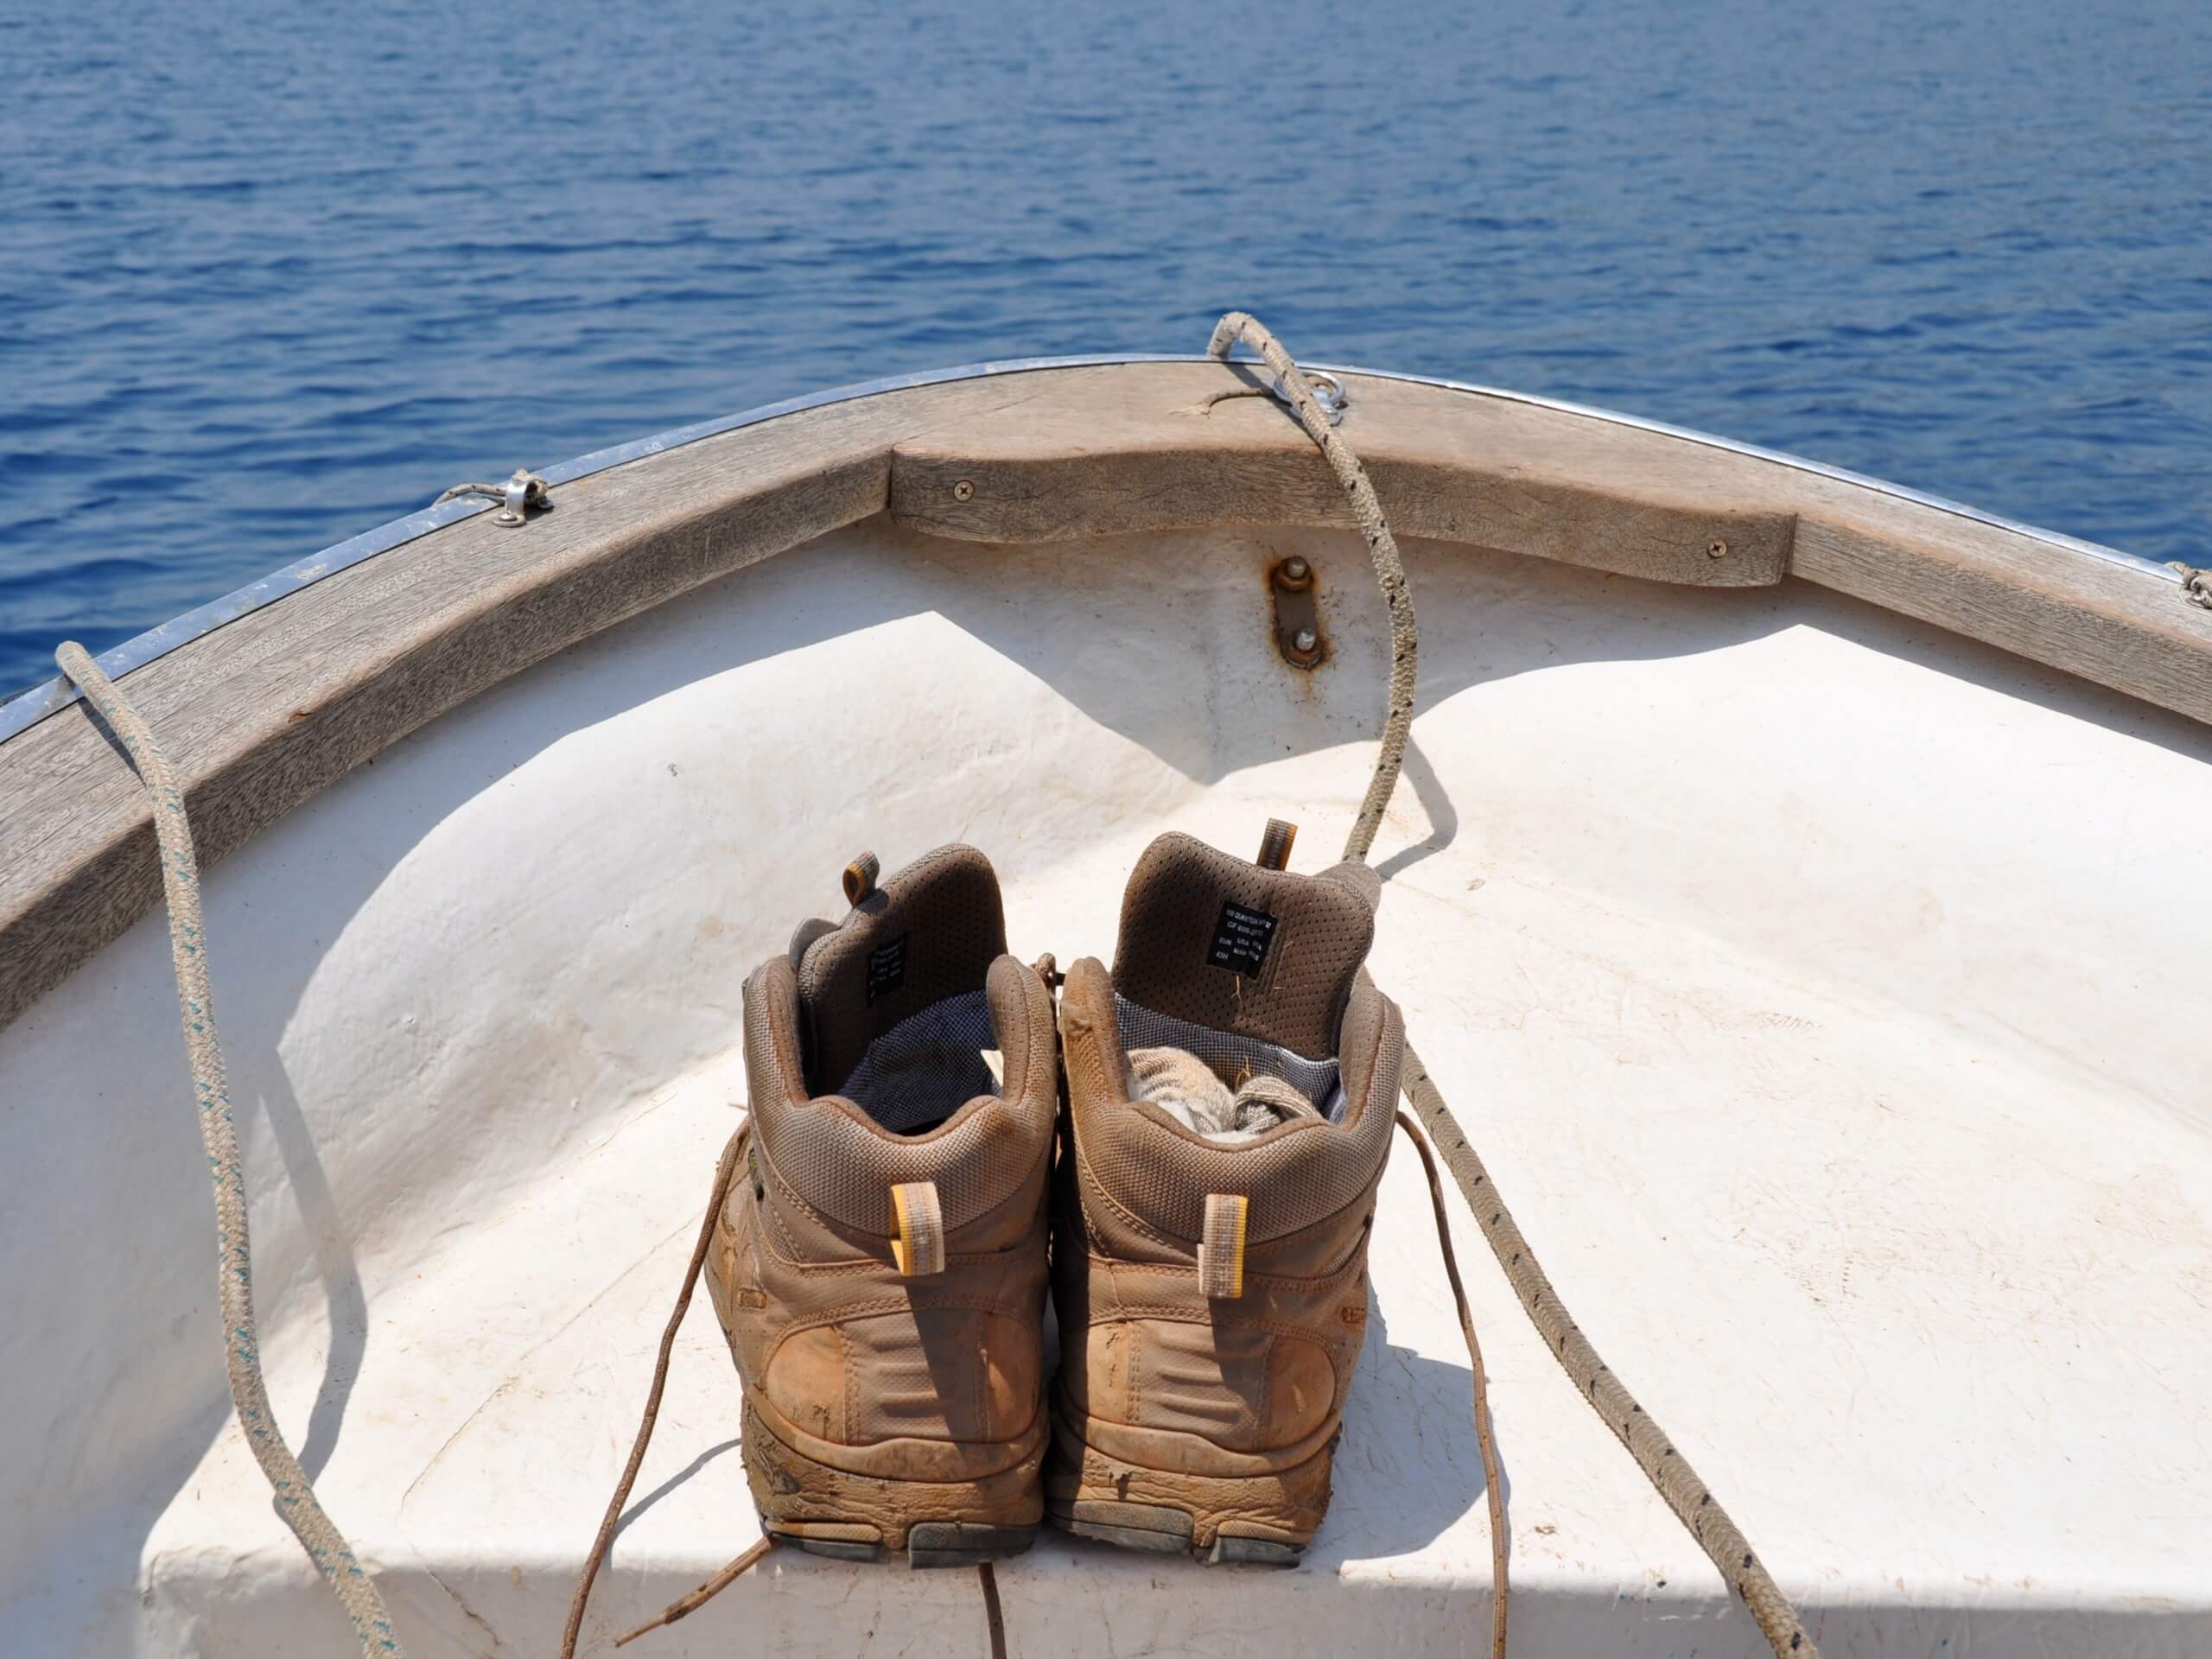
[[1298, 616]]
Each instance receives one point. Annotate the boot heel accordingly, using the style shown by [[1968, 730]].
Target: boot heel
[[850, 1517], [1252, 1520]]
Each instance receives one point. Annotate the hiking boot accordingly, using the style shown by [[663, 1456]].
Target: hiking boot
[[879, 1264], [1231, 1087]]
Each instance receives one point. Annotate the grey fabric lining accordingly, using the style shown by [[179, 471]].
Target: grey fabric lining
[[1231, 1057], [927, 1066]]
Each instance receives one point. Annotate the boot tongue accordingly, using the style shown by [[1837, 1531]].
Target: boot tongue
[[930, 933], [1211, 939]]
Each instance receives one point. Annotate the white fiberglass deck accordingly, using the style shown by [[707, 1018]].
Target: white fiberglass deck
[[1819, 989]]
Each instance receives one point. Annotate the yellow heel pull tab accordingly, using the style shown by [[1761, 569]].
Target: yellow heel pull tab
[[918, 1245], [860, 876], [1221, 1252]]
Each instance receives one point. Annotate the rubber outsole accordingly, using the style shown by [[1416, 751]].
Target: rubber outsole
[[1246, 1520], [850, 1517], [1160, 1531], [929, 1544]]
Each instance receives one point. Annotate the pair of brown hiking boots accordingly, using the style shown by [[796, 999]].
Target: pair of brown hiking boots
[[1188, 1154]]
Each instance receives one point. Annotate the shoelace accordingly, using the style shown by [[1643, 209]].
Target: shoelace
[[1667, 1469], [994, 1618], [724, 1168], [994, 1614], [1493, 1484], [732, 1154]]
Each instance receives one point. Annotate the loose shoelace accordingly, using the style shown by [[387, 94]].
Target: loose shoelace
[[746, 1560], [1493, 1484], [684, 1605], [995, 1617]]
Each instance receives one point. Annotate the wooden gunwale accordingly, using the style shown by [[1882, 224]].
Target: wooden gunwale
[[263, 711]]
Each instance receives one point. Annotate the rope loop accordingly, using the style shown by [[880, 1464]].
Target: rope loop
[[1318, 416]]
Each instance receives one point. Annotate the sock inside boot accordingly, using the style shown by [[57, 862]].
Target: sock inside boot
[[1185, 1087], [1223, 1087], [927, 1066]]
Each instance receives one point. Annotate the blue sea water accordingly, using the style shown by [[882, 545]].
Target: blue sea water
[[270, 274]]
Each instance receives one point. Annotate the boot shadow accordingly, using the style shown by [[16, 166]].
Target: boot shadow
[[1409, 1467]]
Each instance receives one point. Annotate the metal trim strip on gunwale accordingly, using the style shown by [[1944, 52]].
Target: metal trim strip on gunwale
[[25, 710]]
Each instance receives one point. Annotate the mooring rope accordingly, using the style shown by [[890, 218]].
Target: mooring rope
[[1396, 728], [1669, 1472], [1397, 725], [1381, 549], [1665, 1467], [295, 1500]]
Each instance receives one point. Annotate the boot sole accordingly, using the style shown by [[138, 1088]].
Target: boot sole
[[1240, 1520], [850, 1517]]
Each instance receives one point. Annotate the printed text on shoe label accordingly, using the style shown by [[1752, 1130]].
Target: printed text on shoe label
[[1240, 939]]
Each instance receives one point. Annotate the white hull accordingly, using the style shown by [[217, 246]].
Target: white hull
[[1822, 988]]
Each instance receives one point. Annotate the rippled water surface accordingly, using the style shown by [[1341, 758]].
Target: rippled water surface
[[270, 275]]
